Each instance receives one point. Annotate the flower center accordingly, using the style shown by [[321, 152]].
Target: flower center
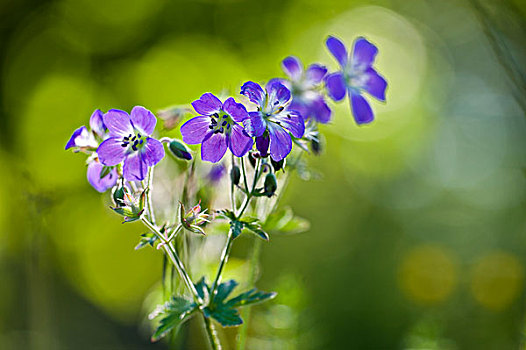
[[221, 123], [355, 76], [135, 142]]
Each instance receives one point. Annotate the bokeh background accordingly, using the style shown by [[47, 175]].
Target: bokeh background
[[418, 232]]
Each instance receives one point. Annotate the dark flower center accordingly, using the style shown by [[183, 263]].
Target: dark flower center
[[135, 142], [220, 123]]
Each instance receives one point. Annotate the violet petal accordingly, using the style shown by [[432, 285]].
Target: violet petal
[[111, 152], [195, 130], [143, 120]]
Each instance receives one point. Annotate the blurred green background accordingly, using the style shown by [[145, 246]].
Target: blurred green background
[[418, 232]]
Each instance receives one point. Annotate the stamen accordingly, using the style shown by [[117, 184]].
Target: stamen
[[277, 102], [139, 135], [140, 143], [224, 123], [124, 145], [221, 130]]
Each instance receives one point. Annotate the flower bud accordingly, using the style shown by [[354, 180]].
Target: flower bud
[[194, 218], [270, 185], [118, 195], [252, 159], [315, 146], [235, 174], [180, 150]]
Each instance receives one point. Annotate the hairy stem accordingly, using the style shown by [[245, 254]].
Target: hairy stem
[[149, 197], [230, 237], [212, 334], [224, 259], [174, 258], [245, 313]]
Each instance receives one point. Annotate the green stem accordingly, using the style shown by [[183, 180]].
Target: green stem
[[176, 261], [244, 173], [212, 334], [230, 237], [245, 313], [149, 197], [254, 257], [224, 259]]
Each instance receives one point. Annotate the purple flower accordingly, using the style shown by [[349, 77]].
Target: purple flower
[[356, 75], [82, 138], [304, 86], [216, 173], [129, 141], [217, 128], [273, 120], [99, 183]]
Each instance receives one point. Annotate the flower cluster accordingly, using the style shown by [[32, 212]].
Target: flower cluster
[[276, 119], [125, 150], [260, 130]]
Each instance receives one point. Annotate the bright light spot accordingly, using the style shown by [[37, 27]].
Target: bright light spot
[[496, 280], [428, 274]]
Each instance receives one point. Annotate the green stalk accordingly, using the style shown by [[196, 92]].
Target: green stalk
[[174, 258], [230, 238], [245, 313], [254, 259], [212, 334]]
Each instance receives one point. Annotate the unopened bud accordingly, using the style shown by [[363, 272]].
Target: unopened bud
[[316, 146], [235, 174], [270, 185], [252, 159], [180, 150]]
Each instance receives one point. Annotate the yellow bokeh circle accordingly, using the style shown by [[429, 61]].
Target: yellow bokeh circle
[[496, 280], [427, 274]]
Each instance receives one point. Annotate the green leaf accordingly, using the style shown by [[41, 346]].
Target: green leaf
[[202, 289], [252, 296], [224, 290], [173, 313], [285, 222], [225, 312], [296, 225], [226, 214], [146, 239], [254, 226], [226, 316], [236, 227]]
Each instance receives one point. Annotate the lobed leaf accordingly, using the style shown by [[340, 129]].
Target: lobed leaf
[[174, 313], [252, 296]]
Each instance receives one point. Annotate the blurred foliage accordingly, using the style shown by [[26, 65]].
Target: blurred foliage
[[417, 237]]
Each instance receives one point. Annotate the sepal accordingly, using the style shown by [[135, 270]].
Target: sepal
[[146, 239]]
